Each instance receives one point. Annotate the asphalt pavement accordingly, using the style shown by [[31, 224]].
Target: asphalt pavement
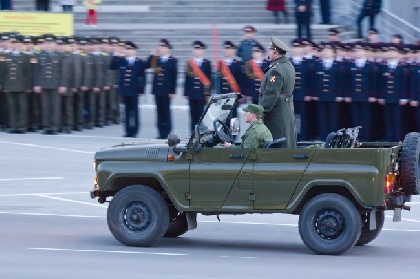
[[50, 228]]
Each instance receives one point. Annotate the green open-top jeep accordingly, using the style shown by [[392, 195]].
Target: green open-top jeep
[[340, 190]]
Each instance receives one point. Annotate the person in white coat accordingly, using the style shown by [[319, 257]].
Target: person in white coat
[[67, 5]]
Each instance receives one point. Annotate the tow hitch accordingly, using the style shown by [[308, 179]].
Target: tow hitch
[[396, 201]]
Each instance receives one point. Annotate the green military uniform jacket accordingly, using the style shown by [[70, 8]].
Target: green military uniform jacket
[[87, 70], [68, 73], [49, 70], [277, 100], [17, 73], [256, 135]]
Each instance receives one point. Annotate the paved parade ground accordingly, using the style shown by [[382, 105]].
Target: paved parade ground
[[50, 228]]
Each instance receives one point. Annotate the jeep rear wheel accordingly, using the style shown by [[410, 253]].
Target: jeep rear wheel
[[178, 225], [368, 235], [410, 164], [138, 216], [329, 224]]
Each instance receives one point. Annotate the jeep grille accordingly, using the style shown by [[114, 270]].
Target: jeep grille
[[152, 152]]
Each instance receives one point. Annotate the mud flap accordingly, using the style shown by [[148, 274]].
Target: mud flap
[[372, 218], [192, 220], [397, 215]]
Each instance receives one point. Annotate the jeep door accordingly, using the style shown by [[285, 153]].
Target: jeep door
[[213, 172], [277, 172]]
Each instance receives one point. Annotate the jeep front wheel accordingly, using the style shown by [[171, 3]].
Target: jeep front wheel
[[138, 216], [329, 224]]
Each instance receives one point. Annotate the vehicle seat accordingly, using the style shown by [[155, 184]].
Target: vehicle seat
[[277, 143]]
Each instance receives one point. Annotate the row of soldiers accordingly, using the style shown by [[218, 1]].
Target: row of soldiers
[[56, 84], [67, 83]]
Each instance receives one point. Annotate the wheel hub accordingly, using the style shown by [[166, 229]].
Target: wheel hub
[[137, 216], [329, 224]]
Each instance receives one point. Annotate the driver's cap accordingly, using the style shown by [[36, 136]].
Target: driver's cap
[[255, 109]]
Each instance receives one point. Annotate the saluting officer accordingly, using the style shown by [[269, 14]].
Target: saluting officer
[[247, 45], [47, 82], [165, 68], [17, 86], [197, 82], [130, 85], [254, 70]]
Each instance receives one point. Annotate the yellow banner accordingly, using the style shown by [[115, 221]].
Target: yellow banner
[[35, 24]]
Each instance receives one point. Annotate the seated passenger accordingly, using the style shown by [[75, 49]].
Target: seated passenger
[[257, 133]]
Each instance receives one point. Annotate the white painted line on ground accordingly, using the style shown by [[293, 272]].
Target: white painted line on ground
[[238, 257], [31, 178], [49, 214], [398, 230], [36, 194], [405, 219], [410, 203], [108, 251], [47, 147], [73, 201]]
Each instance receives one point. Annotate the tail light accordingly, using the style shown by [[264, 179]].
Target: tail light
[[390, 181]]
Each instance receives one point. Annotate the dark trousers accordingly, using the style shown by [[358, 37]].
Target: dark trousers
[[327, 118], [34, 111], [78, 109], [303, 23], [360, 112], [100, 108], [276, 17], [4, 111], [300, 112], [361, 16], [393, 117], [42, 5], [50, 109], [325, 11], [164, 122], [196, 110], [131, 104], [6, 5], [67, 8], [67, 118], [18, 111]]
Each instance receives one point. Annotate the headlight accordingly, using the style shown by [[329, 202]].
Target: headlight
[[95, 165]]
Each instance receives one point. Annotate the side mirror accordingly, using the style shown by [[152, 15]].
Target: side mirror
[[173, 140], [234, 126]]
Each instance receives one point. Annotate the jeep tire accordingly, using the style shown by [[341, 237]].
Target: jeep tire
[[178, 225], [138, 216], [410, 164], [368, 235], [329, 224]]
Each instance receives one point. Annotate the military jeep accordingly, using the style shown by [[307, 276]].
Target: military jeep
[[339, 189]]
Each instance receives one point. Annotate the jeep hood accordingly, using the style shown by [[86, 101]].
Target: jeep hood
[[149, 150]]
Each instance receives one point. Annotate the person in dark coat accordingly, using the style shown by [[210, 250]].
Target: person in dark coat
[[277, 6], [326, 92], [415, 86], [303, 17], [6, 4], [247, 45], [131, 82], [298, 93], [42, 5], [197, 82], [394, 93], [165, 68], [325, 8], [230, 71], [370, 8]]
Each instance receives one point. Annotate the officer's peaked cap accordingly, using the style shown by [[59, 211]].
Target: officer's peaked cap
[[199, 44], [277, 43], [165, 43], [228, 44], [130, 45]]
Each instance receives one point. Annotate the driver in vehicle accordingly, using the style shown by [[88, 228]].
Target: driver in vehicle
[[257, 134]]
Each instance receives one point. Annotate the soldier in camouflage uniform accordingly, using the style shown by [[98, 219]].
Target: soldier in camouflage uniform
[[257, 134], [17, 86], [276, 94]]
